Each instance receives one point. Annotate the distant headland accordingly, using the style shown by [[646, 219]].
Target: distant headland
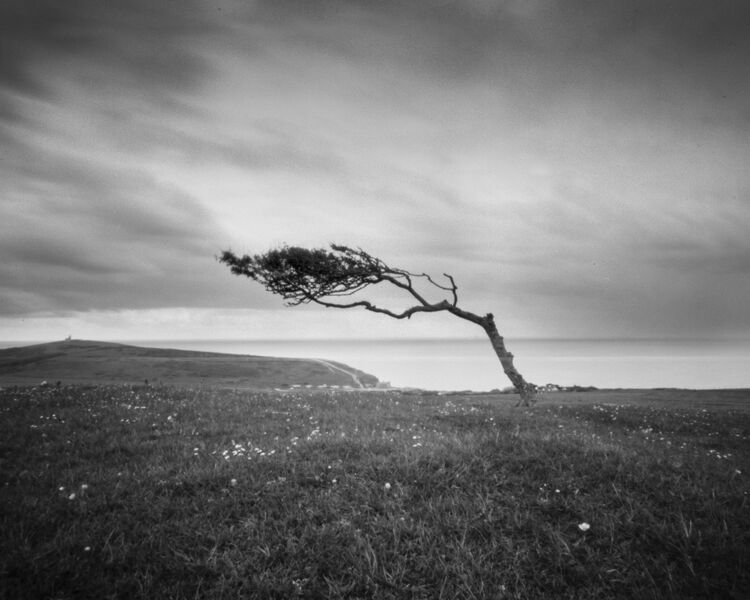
[[86, 361]]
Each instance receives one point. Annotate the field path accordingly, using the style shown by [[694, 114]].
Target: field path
[[335, 368]]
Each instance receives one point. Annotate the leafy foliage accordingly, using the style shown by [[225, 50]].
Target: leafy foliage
[[302, 275]]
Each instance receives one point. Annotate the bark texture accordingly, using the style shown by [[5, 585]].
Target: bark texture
[[526, 390]]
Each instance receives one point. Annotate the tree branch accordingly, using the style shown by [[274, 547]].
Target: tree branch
[[444, 305]]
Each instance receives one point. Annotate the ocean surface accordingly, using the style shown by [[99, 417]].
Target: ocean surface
[[470, 364]]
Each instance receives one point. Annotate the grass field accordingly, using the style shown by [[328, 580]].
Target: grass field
[[161, 492]]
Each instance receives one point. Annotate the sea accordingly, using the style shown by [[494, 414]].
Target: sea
[[470, 364]]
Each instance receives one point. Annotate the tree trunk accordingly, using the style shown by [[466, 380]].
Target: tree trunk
[[526, 390]]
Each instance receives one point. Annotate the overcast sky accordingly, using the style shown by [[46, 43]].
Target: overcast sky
[[582, 168]]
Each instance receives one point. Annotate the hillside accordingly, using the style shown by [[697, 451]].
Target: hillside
[[82, 361]]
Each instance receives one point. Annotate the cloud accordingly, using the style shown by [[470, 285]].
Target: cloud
[[82, 235], [143, 42], [564, 161]]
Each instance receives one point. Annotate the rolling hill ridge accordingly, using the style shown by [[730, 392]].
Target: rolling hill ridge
[[85, 361]]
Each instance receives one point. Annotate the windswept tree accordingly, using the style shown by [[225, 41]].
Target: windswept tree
[[334, 278]]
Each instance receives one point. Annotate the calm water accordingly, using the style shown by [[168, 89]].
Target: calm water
[[471, 364]]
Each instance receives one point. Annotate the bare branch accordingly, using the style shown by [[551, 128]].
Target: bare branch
[[454, 288], [451, 288], [444, 305], [406, 286]]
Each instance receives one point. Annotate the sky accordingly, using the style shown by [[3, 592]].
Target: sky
[[579, 167]]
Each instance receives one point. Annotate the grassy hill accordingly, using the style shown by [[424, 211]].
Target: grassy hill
[[82, 361], [165, 492]]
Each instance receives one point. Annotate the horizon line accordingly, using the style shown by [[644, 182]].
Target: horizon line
[[383, 339]]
